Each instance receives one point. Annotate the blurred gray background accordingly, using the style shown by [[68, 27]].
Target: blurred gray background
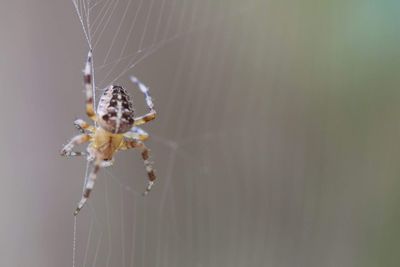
[[276, 142]]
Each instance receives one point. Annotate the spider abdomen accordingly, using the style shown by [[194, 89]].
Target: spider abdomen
[[115, 110]]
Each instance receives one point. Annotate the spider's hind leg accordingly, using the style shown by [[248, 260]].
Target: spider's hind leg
[[149, 168], [107, 163], [89, 185], [145, 152]]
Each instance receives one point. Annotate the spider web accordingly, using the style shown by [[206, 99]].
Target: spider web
[[185, 51]]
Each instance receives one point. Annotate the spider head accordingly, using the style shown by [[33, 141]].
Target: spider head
[[115, 110]]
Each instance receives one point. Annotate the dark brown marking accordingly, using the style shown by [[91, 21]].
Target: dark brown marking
[[127, 113], [87, 78], [152, 176], [90, 57], [113, 103], [150, 117], [145, 154], [97, 167], [113, 113], [125, 104], [86, 194]]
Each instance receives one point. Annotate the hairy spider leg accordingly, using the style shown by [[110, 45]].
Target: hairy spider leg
[[149, 101], [137, 133], [83, 126], [89, 185], [87, 79], [145, 152]]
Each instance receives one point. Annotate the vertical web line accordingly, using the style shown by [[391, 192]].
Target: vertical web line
[[88, 242], [74, 244], [144, 234], [122, 226], [132, 258], [108, 224]]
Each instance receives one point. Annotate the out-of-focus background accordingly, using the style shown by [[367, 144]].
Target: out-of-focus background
[[277, 141]]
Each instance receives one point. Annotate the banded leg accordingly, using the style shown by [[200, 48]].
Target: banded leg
[[83, 126], [137, 133], [77, 140], [107, 163], [149, 101], [76, 154], [87, 79], [89, 185], [146, 159]]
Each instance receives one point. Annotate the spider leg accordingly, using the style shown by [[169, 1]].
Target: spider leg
[[83, 126], [75, 154], [145, 152], [137, 134], [149, 101], [66, 151], [107, 163], [89, 185], [87, 79]]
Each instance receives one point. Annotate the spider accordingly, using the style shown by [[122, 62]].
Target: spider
[[116, 130]]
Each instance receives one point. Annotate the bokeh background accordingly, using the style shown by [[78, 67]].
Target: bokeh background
[[276, 142]]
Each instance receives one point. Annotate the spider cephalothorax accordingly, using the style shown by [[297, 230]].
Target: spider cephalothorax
[[115, 110], [117, 130]]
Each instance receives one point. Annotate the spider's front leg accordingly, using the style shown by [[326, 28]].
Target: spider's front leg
[[89, 185], [146, 159], [149, 101], [87, 79], [83, 126], [77, 140]]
